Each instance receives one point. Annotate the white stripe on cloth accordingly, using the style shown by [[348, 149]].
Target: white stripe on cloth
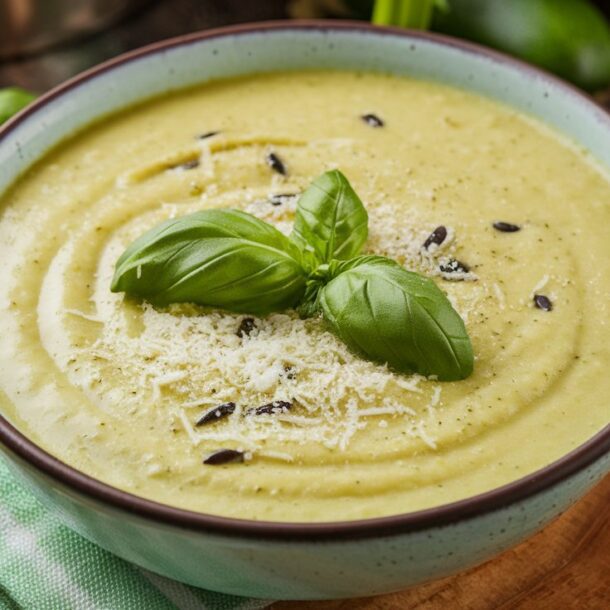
[[24, 543], [183, 597], [177, 593]]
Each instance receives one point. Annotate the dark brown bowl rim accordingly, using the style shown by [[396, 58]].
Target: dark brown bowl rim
[[496, 499]]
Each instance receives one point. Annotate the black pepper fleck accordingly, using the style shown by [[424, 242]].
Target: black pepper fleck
[[189, 164], [280, 198], [207, 134], [289, 372], [246, 326]]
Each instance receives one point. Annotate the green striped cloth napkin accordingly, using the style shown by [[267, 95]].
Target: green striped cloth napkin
[[46, 566]]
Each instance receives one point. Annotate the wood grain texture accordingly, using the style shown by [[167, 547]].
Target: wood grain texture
[[565, 567]]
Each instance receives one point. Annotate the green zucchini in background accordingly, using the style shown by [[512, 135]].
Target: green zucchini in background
[[12, 100], [568, 37]]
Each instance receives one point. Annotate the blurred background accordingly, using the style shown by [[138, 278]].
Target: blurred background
[[43, 42]]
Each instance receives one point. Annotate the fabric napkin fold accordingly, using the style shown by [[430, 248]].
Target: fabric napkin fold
[[46, 566]]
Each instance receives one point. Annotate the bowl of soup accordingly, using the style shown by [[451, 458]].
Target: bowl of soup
[[257, 454]]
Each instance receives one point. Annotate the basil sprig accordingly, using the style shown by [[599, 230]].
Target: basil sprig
[[231, 260]]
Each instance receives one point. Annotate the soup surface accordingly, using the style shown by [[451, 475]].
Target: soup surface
[[114, 386]]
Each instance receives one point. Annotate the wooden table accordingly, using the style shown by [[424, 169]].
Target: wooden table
[[565, 567]]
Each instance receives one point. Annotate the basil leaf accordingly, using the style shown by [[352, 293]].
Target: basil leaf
[[335, 267], [388, 314], [219, 258], [310, 304], [330, 219]]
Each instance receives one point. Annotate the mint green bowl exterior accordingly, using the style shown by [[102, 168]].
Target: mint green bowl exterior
[[287, 560]]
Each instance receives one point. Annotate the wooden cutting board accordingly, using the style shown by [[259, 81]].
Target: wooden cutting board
[[565, 567]]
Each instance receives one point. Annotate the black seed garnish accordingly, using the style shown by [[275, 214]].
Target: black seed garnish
[[246, 326], [454, 266], [438, 236], [279, 199], [506, 227], [216, 413], [372, 119], [277, 406], [289, 372], [543, 302], [224, 456], [207, 134], [276, 164]]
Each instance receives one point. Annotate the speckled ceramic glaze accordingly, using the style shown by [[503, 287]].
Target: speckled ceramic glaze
[[284, 560]]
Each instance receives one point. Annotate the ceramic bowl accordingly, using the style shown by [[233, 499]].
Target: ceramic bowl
[[299, 560]]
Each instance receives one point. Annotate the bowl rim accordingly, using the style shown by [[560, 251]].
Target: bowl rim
[[72, 479]]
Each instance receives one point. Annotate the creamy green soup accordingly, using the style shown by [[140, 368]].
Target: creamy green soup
[[114, 387]]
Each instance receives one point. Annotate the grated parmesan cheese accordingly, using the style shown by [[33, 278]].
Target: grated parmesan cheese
[[82, 314], [185, 359], [499, 293], [539, 286]]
